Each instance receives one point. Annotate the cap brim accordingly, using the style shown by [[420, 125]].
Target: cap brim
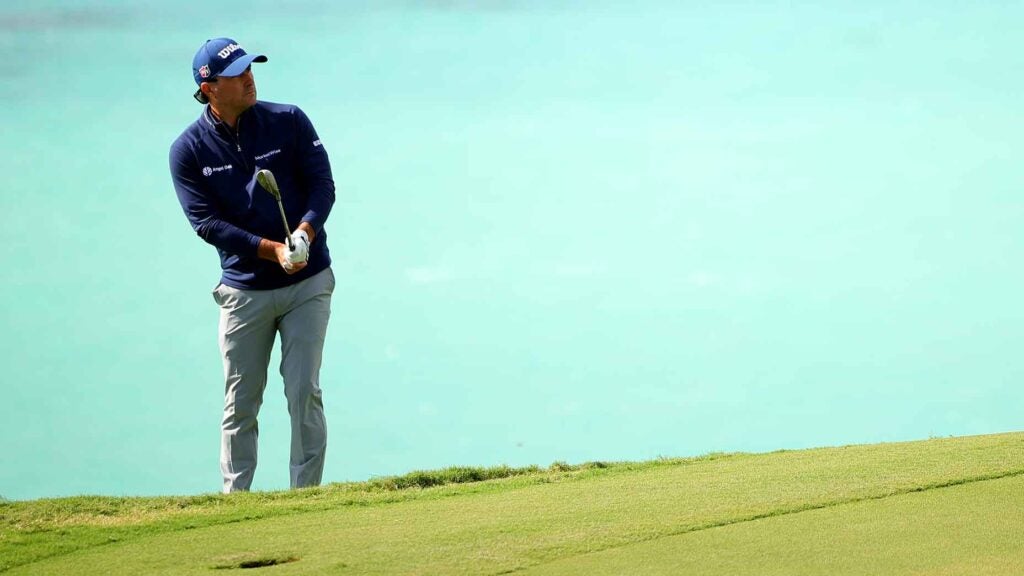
[[239, 66]]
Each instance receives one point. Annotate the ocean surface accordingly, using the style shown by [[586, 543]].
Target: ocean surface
[[565, 231]]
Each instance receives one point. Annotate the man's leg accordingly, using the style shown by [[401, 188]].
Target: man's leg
[[246, 338], [303, 329]]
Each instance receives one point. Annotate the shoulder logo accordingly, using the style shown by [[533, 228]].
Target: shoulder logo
[[316, 143]]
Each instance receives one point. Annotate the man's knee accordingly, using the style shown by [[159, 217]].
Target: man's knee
[[238, 422], [301, 392]]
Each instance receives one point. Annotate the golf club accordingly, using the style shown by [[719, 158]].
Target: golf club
[[269, 183]]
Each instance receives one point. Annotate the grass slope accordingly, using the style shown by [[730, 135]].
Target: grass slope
[[973, 529], [812, 511]]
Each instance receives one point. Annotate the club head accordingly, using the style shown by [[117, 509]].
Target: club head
[[266, 179]]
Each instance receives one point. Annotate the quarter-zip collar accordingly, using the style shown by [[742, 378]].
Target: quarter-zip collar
[[220, 126], [232, 137]]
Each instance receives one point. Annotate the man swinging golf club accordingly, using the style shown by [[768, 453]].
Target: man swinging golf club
[[239, 170]]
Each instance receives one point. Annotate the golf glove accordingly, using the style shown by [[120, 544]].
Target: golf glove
[[301, 252]]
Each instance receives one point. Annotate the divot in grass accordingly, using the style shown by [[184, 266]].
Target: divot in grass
[[260, 562]]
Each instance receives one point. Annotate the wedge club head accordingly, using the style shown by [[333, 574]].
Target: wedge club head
[[269, 183]]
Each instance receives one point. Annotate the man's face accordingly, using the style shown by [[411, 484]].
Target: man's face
[[234, 92]]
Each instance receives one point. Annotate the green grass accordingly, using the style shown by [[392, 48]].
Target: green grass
[[791, 512], [970, 528]]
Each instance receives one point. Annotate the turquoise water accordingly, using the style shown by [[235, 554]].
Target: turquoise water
[[564, 231]]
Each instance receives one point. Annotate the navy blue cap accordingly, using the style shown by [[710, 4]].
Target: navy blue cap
[[221, 57]]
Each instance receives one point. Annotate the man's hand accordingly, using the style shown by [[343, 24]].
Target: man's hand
[[300, 240], [310, 233], [277, 252], [284, 258], [290, 260]]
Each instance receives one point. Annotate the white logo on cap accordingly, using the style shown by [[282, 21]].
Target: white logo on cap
[[228, 50], [204, 71]]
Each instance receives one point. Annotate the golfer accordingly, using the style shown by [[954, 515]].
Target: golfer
[[270, 284]]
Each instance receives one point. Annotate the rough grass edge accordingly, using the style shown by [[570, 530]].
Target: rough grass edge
[[49, 510], [469, 474]]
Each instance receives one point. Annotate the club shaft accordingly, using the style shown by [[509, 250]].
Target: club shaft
[[287, 231]]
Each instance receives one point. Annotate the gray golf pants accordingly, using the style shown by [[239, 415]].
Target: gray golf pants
[[249, 323]]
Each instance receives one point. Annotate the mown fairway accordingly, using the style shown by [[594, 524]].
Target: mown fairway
[[945, 506], [971, 528]]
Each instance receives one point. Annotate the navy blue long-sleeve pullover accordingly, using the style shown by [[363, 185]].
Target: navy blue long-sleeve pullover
[[214, 173]]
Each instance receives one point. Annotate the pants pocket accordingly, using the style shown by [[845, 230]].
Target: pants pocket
[[216, 293]]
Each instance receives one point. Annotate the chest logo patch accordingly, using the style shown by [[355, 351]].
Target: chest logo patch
[[268, 154], [207, 171]]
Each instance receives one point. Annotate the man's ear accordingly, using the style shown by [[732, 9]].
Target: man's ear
[[206, 88]]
